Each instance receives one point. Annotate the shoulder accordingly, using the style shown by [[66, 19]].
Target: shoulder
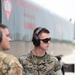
[[24, 57], [56, 63], [2, 55], [12, 61], [52, 58], [7, 57]]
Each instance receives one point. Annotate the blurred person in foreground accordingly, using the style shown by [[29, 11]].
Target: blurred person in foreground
[[9, 65], [38, 61]]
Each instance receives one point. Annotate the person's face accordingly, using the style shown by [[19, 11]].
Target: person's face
[[5, 43], [45, 41]]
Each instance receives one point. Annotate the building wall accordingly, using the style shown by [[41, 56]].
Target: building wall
[[21, 48]]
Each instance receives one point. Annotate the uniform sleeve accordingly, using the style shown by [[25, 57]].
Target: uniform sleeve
[[57, 68], [21, 60], [59, 72], [12, 66], [15, 68]]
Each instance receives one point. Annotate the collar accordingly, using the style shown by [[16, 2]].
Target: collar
[[32, 55]]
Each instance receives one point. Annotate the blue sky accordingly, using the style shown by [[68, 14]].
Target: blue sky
[[63, 8]]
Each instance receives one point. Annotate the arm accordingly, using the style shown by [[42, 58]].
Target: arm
[[58, 67], [59, 72], [13, 66], [51, 72], [21, 62]]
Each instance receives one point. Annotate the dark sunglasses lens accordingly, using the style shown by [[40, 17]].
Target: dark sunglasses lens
[[46, 40]]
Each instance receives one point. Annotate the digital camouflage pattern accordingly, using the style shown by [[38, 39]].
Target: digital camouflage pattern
[[46, 65], [9, 65]]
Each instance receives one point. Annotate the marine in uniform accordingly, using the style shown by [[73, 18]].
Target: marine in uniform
[[9, 65], [38, 61], [45, 65]]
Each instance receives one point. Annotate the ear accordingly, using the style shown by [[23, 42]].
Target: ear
[[0, 36]]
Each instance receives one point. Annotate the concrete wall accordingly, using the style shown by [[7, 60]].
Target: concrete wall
[[21, 48]]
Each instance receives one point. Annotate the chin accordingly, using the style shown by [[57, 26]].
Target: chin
[[46, 49], [7, 48]]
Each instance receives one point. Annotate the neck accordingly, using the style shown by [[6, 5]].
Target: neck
[[38, 51]]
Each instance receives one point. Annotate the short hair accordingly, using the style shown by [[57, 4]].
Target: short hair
[[3, 26], [43, 30]]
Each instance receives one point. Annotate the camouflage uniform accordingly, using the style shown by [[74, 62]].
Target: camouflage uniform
[[9, 65], [46, 65]]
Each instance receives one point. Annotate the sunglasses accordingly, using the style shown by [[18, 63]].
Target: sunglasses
[[46, 40]]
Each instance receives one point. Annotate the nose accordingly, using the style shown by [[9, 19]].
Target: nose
[[9, 39]]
